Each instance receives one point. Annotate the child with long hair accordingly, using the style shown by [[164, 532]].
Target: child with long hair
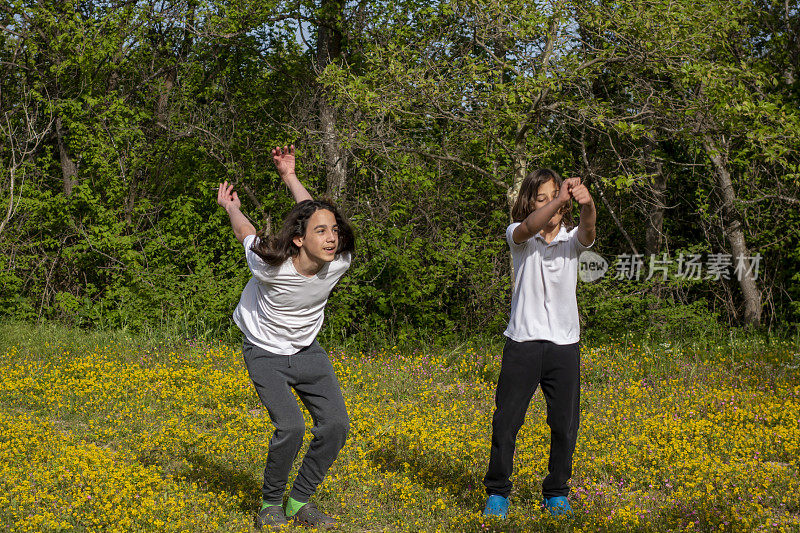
[[542, 344], [280, 313]]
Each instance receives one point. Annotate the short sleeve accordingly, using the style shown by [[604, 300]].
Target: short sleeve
[[259, 268], [579, 247], [345, 258], [510, 236], [248, 241]]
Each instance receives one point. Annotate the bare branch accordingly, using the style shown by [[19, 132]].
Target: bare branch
[[446, 157], [780, 197], [502, 62], [193, 28], [599, 188], [21, 145], [12, 32]]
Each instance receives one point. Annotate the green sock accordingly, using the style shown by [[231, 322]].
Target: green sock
[[265, 503], [292, 506]]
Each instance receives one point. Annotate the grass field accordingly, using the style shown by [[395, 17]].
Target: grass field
[[100, 432]]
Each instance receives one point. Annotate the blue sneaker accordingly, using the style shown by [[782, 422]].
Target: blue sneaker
[[497, 506], [557, 505]]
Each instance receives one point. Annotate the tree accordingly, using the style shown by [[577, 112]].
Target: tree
[[329, 50], [24, 125], [695, 73], [470, 84]]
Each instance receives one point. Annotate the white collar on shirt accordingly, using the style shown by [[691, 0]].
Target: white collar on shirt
[[562, 235]]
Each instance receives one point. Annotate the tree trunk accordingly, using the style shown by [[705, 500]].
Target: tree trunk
[[10, 210], [329, 49], [735, 233], [655, 211], [333, 153], [520, 171], [520, 168], [69, 170], [793, 46], [162, 117], [171, 75]]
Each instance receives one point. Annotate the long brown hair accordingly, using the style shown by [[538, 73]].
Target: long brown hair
[[275, 249], [523, 205]]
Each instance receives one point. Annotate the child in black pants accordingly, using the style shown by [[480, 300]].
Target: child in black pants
[[542, 335]]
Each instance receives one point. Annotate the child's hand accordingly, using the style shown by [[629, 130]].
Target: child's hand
[[227, 197], [565, 193], [581, 194], [284, 159]]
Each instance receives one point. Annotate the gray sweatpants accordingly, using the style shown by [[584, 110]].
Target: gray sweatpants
[[310, 373]]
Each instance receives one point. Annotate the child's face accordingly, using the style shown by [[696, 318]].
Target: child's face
[[546, 193], [322, 236]]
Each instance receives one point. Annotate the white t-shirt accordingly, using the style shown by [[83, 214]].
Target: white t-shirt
[[544, 305], [281, 310]]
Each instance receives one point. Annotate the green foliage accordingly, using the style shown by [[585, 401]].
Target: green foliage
[[439, 108], [617, 308]]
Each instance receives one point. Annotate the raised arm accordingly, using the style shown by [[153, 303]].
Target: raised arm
[[586, 230], [229, 200], [538, 219], [284, 163]]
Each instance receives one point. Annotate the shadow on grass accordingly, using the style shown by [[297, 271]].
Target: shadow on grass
[[463, 481], [220, 477], [432, 471], [211, 475]]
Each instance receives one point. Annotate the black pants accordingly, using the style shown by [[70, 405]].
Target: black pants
[[310, 374], [525, 365]]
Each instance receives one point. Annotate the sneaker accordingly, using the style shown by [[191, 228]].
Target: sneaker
[[557, 505], [496, 505], [271, 516], [310, 516]]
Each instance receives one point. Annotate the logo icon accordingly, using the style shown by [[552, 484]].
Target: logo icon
[[591, 266]]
